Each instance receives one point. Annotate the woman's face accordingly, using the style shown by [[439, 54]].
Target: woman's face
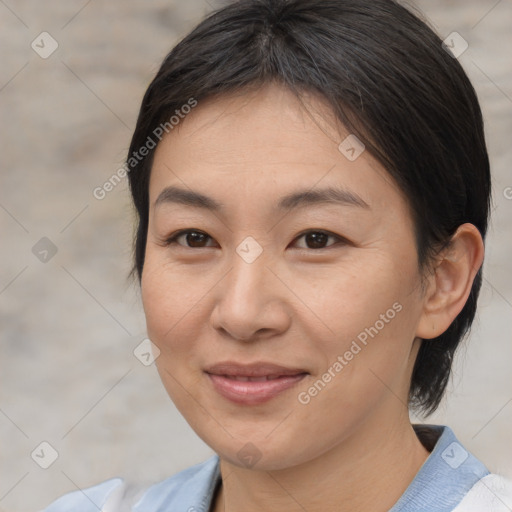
[[286, 318]]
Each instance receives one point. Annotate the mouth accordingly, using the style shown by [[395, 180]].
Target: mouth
[[253, 384]]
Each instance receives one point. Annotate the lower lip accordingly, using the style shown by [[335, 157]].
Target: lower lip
[[253, 392]]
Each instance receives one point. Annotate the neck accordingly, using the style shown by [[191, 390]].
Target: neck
[[370, 470]]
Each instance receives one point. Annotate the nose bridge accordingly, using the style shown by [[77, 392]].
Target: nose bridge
[[249, 274]]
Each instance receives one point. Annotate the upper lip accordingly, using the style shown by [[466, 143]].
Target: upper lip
[[258, 369]]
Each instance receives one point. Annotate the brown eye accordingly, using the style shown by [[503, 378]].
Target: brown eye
[[196, 239], [191, 238], [317, 239]]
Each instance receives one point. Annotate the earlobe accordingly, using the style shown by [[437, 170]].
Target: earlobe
[[450, 284]]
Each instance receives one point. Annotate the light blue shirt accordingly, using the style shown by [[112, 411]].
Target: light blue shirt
[[445, 478]]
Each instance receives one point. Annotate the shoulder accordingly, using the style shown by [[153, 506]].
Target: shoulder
[[492, 493], [191, 489], [88, 500], [193, 486], [452, 478]]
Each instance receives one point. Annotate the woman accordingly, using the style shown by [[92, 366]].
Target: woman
[[312, 187]]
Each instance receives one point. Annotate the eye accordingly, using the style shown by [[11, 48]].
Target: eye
[[192, 238], [315, 239], [195, 239]]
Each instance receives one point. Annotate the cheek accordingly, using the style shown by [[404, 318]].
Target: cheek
[[170, 300], [369, 314], [170, 293], [171, 310], [157, 302], [352, 296]]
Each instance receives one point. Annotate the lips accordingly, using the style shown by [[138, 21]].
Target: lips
[[254, 383], [243, 378]]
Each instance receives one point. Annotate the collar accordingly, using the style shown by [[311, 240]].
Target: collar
[[191, 490], [445, 477]]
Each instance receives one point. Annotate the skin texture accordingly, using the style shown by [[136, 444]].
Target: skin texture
[[351, 447]]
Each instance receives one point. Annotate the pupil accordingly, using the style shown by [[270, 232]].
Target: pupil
[[316, 239]]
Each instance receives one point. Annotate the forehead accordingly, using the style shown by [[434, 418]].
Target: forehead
[[257, 146]]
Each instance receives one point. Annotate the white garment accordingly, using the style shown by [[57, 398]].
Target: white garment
[[492, 493]]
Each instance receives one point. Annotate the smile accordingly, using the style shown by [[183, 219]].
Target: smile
[[252, 384]]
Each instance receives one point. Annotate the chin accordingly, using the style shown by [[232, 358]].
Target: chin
[[260, 454]]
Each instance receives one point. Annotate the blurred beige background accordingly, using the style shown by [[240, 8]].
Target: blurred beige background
[[69, 325]]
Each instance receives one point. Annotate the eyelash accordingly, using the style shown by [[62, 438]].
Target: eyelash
[[172, 240]]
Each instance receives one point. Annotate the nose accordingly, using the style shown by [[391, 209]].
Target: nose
[[251, 302]]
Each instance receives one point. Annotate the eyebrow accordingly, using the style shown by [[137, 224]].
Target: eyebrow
[[297, 199]]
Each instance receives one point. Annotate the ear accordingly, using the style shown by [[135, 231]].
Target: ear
[[450, 284]]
